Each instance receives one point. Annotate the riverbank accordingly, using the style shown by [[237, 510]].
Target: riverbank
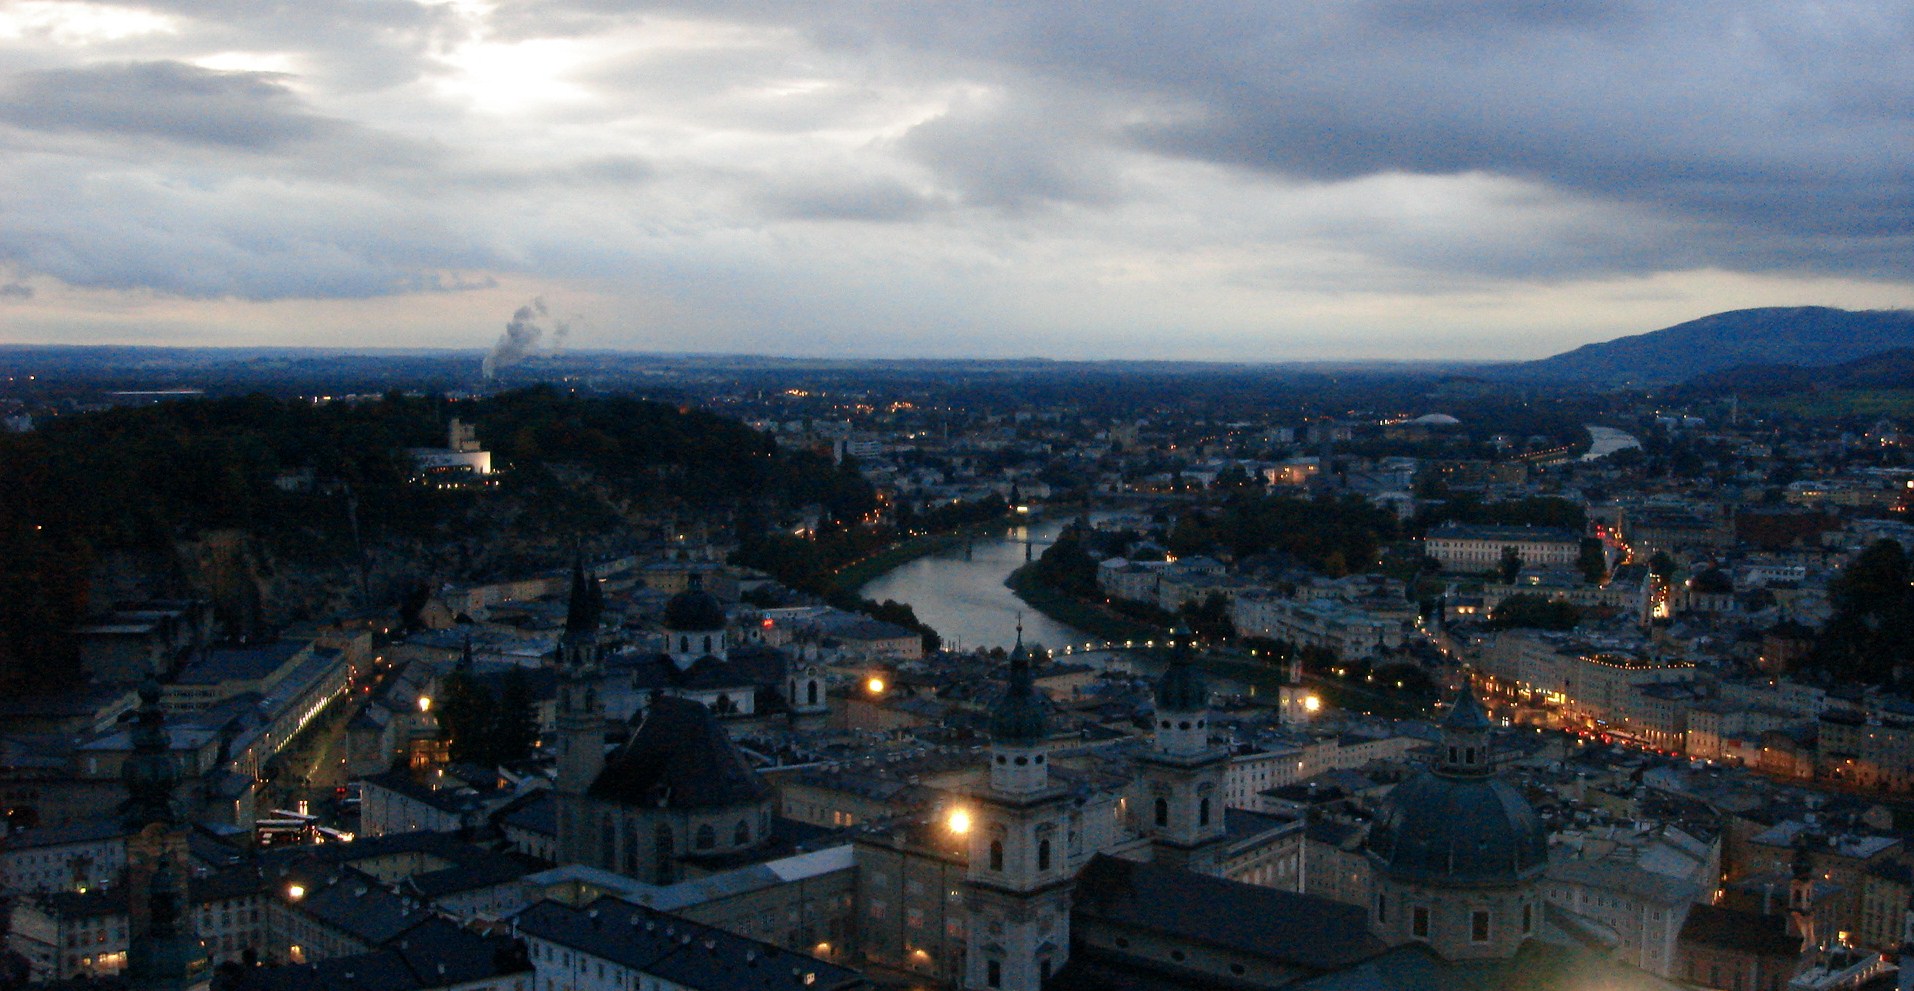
[[1099, 623], [854, 576]]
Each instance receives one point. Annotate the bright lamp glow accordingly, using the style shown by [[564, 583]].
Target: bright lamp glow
[[959, 821], [875, 685], [425, 703]]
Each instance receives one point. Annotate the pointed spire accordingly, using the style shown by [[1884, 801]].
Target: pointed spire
[[1466, 713], [585, 605]]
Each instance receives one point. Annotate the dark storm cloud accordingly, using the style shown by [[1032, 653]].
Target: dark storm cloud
[[1784, 134], [244, 110]]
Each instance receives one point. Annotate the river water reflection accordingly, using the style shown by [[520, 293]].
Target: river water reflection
[[963, 597]]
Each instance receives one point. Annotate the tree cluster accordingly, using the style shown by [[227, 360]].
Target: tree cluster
[[1870, 637], [488, 727]]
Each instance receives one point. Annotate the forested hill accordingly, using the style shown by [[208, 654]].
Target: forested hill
[[142, 499], [1805, 336]]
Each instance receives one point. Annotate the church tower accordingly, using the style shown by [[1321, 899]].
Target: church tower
[[1180, 778], [163, 954], [581, 713], [1018, 880]]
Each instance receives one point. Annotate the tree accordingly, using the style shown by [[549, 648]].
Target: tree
[[1209, 618], [1593, 560], [1535, 612], [515, 730], [1511, 565], [467, 713], [1870, 637]]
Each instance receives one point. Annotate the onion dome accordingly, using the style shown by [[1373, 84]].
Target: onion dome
[[1181, 688], [149, 773], [694, 609], [1018, 719]]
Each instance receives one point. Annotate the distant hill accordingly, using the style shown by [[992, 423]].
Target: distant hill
[[1887, 370], [1799, 336]]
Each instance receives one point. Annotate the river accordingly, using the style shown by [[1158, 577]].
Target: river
[[963, 597], [1606, 441]]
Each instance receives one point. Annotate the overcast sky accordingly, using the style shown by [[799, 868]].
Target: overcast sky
[[1234, 180]]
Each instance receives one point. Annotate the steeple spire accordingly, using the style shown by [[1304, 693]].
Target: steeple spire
[[586, 605]]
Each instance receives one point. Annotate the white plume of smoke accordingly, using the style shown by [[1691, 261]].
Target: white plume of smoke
[[523, 334]]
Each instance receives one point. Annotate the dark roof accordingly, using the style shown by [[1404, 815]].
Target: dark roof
[[1300, 930], [680, 757], [1740, 932], [679, 950], [358, 905], [434, 954], [1447, 829], [694, 609], [1537, 966]]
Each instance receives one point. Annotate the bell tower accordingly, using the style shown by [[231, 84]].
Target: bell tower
[[581, 713], [163, 952], [1180, 778], [1019, 878]]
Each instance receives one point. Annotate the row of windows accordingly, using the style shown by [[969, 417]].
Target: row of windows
[[1479, 920], [1163, 812], [997, 855]]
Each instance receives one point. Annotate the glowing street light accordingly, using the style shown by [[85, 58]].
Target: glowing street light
[[425, 703], [875, 686], [296, 892], [1312, 703], [959, 821]]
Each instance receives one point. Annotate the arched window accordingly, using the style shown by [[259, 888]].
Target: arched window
[[684, 644], [1468, 756], [707, 837], [608, 844], [1203, 812], [1528, 919], [742, 835], [707, 643], [1162, 812], [663, 849], [1043, 855], [996, 855], [631, 852], [810, 693]]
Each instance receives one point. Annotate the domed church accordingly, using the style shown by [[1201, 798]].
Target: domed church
[[1457, 852]]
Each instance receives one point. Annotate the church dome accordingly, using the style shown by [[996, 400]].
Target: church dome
[[1181, 688], [1456, 823], [1018, 718], [1458, 830], [694, 609]]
